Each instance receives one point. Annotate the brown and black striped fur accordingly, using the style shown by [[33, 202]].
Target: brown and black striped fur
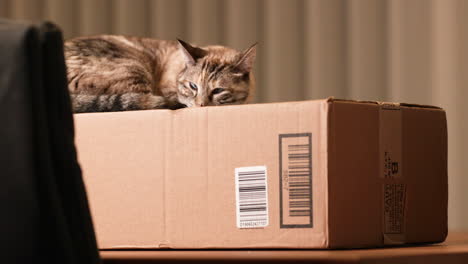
[[117, 73]]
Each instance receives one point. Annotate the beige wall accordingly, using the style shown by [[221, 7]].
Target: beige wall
[[412, 51]]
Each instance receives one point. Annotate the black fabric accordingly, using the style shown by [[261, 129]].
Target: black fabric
[[45, 216]]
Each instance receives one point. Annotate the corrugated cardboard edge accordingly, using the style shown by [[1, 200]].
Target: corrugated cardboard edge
[[168, 142], [328, 108], [332, 99]]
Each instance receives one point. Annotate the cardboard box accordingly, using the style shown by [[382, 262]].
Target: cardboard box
[[312, 174]]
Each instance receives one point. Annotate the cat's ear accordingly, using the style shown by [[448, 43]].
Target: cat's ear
[[246, 59], [191, 53]]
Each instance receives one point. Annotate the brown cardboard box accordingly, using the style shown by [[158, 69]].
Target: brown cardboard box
[[338, 174]]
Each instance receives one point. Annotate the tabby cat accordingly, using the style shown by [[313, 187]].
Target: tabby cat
[[118, 73]]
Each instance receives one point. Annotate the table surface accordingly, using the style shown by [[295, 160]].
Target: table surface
[[453, 250]]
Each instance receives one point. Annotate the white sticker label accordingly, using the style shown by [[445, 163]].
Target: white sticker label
[[251, 197]]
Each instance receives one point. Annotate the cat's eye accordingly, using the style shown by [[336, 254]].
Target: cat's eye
[[193, 86], [217, 91], [226, 97]]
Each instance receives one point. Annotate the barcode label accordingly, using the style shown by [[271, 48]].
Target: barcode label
[[295, 180], [251, 197]]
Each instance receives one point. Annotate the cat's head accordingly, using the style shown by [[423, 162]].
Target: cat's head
[[215, 75]]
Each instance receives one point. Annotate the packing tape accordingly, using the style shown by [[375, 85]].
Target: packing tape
[[391, 172]]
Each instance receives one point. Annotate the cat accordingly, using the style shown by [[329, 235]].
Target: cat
[[120, 73]]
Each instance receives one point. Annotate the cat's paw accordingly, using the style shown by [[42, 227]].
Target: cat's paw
[[177, 105]]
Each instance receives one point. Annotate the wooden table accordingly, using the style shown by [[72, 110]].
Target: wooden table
[[454, 250]]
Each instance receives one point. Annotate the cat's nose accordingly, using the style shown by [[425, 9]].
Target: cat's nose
[[201, 103]]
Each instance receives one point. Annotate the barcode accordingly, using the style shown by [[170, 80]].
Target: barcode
[[299, 180], [252, 197], [295, 168]]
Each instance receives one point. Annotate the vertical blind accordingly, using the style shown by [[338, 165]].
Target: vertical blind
[[389, 50]]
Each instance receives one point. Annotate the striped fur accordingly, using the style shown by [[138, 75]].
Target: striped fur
[[117, 73], [83, 103]]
